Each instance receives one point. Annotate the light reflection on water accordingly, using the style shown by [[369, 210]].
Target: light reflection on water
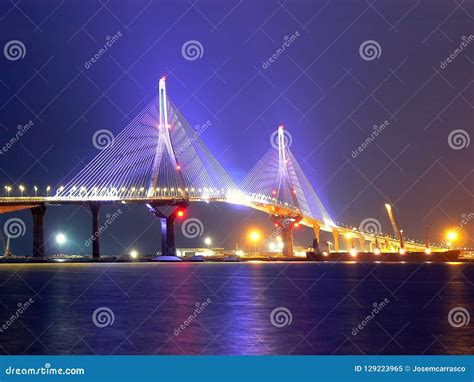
[[150, 301]]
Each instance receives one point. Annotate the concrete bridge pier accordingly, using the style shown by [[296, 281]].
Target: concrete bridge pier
[[317, 230], [38, 230], [335, 235], [167, 227], [168, 241], [287, 238], [94, 207]]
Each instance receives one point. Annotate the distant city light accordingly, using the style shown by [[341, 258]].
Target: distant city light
[[428, 251], [239, 252], [208, 241], [402, 251], [353, 252], [60, 238], [133, 254], [377, 251], [271, 246]]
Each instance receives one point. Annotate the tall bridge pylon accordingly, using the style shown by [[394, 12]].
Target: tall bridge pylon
[[158, 159], [278, 181]]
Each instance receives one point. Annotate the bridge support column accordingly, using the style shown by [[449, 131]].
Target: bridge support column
[[168, 242], [167, 226], [94, 207], [335, 235], [362, 243], [285, 226], [287, 237], [38, 230], [316, 229]]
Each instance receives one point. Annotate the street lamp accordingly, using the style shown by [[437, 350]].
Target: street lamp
[[60, 240], [22, 189], [451, 236], [208, 241], [255, 236]]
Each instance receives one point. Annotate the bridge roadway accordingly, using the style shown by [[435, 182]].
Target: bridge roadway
[[284, 217]]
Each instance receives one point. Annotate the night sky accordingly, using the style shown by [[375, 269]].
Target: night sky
[[326, 93]]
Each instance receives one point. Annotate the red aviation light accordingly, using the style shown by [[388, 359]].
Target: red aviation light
[[180, 213]]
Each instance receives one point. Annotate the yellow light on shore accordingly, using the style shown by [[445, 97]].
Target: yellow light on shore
[[428, 251], [377, 251], [133, 254], [353, 252], [452, 236], [402, 251], [254, 236]]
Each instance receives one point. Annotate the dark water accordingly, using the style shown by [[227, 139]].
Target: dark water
[[150, 301]]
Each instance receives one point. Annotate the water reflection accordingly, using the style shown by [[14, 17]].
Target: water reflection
[[225, 308]]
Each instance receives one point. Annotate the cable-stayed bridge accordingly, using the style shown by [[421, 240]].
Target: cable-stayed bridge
[[159, 160]]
